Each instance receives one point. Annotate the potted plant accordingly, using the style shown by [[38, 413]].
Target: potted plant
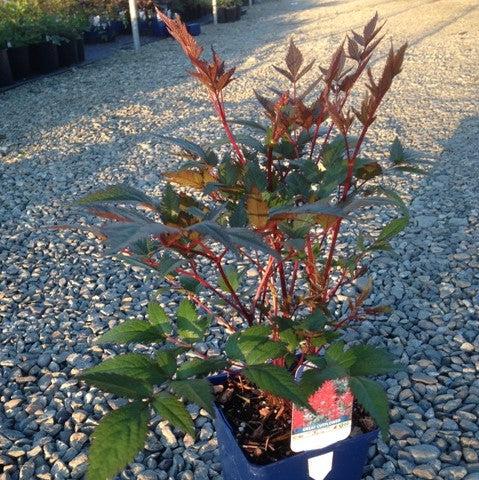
[[229, 11], [254, 243], [18, 17], [71, 49], [6, 76]]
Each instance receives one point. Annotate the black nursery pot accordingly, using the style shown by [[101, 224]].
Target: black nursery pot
[[6, 77], [233, 14], [19, 58], [222, 15], [68, 53], [348, 456], [44, 57], [80, 46]]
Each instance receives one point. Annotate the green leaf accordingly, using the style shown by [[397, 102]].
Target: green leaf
[[116, 193], [120, 435], [199, 366], [166, 360], [312, 379], [122, 235], [372, 361], [167, 264], [239, 216], [253, 345], [374, 400], [392, 229], [336, 355], [190, 147], [198, 391], [255, 177], [132, 331], [118, 384], [157, 317], [170, 204], [245, 237], [249, 123], [314, 322], [171, 409], [190, 284], [133, 365], [233, 277], [191, 327], [277, 381]]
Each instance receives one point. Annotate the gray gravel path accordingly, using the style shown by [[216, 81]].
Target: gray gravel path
[[61, 136]]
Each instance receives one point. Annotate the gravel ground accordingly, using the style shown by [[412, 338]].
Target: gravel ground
[[64, 135]]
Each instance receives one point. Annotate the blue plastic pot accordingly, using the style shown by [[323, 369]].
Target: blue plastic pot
[[159, 29], [194, 29], [349, 456]]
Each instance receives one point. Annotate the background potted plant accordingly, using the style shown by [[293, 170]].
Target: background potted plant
[[6, 76], [276, 202], [229, 11], [18, 16]]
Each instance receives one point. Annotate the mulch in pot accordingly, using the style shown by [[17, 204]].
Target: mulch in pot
[[262, 422]]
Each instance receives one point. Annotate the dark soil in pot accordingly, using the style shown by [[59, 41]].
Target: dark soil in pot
[[67, 53], [262, 423], [6, 77], [19, 58], [44, 57]]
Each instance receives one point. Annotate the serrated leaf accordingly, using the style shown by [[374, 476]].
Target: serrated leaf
[[277, 381], [120, 435], [245, 237], [315, 208], [231, 272], [314, 322], [249, 123], [132, 331], [199, 366], [185, 145], [122, 235], [216, 232], [171, 409], [294, 59], [157, 317], [238, 217], [116, 193], [313, 378], [190, 284], [198, 391], [166, 360], [191, 327], [374, 400], [336, 355], [196, 179], [253, 345], [372, 361], [118, 384], [132, 365], [392, 229]]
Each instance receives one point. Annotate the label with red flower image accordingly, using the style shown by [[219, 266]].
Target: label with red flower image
[[331, 421]]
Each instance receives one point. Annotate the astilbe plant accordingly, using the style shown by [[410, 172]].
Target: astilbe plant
[[276, 201]]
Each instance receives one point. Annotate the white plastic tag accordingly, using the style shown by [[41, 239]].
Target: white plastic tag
[[331, 421], [320, 466]]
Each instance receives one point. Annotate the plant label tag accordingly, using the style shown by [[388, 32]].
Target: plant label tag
[[320, 466], [331, 421]]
